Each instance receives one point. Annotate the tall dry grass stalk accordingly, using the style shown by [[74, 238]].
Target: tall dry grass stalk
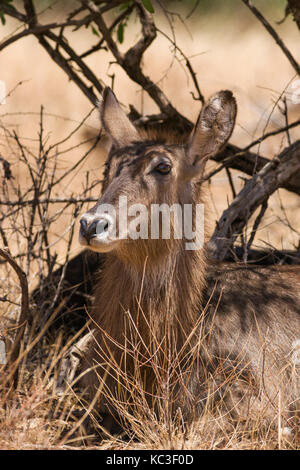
[[33, 210], [37, 228], [144, 420]]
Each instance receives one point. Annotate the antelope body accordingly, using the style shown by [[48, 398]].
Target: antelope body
[[170, 324]]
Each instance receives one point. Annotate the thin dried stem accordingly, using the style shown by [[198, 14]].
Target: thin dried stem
[[15, 351]]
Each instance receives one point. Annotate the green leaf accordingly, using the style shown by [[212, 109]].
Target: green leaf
[[120, 33], [148, 5], [2, 17], [95, 31], [125, 5]]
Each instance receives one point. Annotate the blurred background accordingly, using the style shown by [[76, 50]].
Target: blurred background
[[50, 151], [228, 49]]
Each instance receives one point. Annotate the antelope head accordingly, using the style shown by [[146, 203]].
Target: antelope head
[[142, 171]]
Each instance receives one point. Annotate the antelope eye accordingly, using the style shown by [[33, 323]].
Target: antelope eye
[[163, 168]]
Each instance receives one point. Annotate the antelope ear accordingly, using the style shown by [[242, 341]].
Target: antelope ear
[[115, 122], [213, 129]]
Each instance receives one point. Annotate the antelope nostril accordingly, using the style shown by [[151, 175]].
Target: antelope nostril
[[97, 227], [83, 226], [92, 230], [102, 226], [88, 231]]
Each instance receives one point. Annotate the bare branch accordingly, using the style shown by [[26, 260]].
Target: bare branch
[[248, 163], [14, 354], [258, 219], [275, 174], [63, 63], [57, 200], [274, 35], [13, 12], [131, 60], [188, 64], [43, 28]]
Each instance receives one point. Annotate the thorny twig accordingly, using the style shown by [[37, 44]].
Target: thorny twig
[[14, 353], [274, 35], [256, 191]]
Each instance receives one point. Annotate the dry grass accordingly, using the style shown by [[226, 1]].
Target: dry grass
[[231, 54], [38, 417]]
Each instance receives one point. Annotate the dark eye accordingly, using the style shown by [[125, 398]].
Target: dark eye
[[163, 168]]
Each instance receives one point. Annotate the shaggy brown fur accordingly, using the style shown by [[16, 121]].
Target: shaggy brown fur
[[171, 325]]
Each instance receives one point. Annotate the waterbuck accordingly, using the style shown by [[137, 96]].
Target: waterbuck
[[173, 330]]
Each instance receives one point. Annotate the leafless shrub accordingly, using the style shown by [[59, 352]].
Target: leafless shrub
[[31, 210], [31, 206]]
